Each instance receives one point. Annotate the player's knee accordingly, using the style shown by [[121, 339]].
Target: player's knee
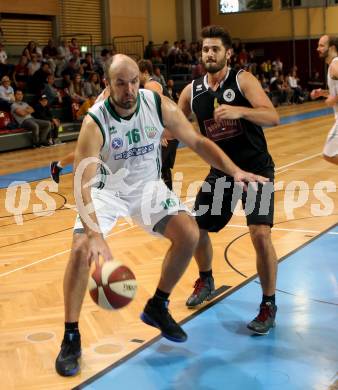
[[261, 237], [189, 236], [79, 252]]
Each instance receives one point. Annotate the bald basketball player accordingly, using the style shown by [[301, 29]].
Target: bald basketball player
[[328, 50], [115, 133]]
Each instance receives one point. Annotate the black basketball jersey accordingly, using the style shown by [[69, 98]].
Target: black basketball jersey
[[243, 141]]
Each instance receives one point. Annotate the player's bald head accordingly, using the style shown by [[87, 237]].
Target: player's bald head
[[121, 65]]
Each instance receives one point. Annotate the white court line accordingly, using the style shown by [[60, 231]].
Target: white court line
[[299, 161], [285, 229], [131, 227], [55, 255]]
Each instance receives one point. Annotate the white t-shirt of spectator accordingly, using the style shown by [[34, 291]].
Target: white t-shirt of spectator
[[292, 82], [7, 93], [17, 117], [3, 57]]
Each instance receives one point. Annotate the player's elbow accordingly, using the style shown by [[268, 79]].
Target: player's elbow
[[275, 120]]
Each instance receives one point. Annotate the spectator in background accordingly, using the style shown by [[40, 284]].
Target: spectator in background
[[29, 50], [20, 74], [293, 82], [92, 87], [49, 54], [76, 89], [42, 111], [3, 61], [33, 65], [315, 82], [51, 92], [277, 65], [6, 94], [73, 45], [164, 51], [39, 79], [88, 65], [101, 61], [80, 114], [70, 69], [62, 57], [172, 91], [22, 113], [158, 76], [148, 51]]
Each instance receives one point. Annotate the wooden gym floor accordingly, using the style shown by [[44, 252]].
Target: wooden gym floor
[[33, 254]]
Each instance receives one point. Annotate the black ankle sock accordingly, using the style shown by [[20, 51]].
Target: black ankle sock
[[205, 274], [72, 327], [160, 296], [268, 298]]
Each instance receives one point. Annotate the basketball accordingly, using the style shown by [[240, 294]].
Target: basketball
[[112, 285]]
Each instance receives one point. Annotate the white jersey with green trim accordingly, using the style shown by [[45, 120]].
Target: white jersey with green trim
[[131, 150], [333, 87]]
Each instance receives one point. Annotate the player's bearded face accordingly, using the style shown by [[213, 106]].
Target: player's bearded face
[[214, 55], [124, 92], [323, 47]]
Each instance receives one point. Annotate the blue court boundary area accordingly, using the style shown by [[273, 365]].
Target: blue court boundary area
[[196, 313], [44, 172]]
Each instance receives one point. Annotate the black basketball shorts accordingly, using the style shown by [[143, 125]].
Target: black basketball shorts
[[218, 197]]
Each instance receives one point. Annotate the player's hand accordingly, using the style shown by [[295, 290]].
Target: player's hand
[[97, 246], [225, 111], [244, 178], [316, 93], [331, 101], [164, 142]]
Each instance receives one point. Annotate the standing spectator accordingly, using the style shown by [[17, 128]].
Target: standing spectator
[[6, 94], [49, 54], [293, 81], [42, 111], [101, 61], [148, 51], [22, 113]]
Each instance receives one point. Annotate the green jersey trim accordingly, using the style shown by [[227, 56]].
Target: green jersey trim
[[115, 115], [96, 120], [158, 106]]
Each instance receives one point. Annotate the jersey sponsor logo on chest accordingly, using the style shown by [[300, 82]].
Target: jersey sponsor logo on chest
[[199, 87], [151, 131], [134, 152], [227, 128]]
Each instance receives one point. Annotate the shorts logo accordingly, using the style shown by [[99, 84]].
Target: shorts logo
[[151, 132], [117, 143], [229, 95]]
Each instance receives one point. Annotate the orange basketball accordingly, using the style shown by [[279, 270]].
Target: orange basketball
[[112, 285]]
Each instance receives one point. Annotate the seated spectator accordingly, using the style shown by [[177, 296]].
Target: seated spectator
[[92, 87], [29, 50], [293, 81], [42, 111], [6, 94], [73, 45], [20, 75], [172, 91], [22, 113], [76, 89], [52, 93], [315, 82], [82, 111], [281, 92], [33, 65], [87, 65], [39, 79], [62, 57], [49, 54], [158, 76], [264, 84], [3, 61]]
